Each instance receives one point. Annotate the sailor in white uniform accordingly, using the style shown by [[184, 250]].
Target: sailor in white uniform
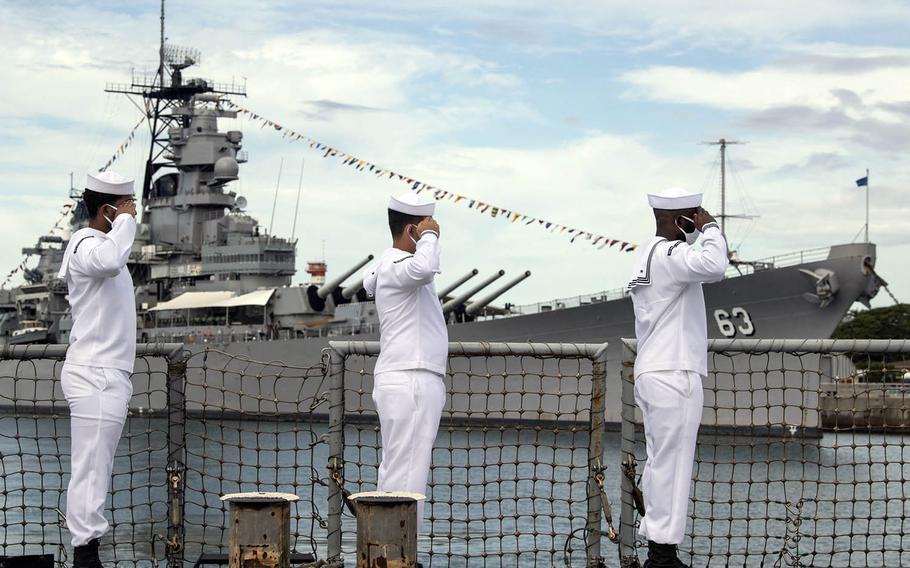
[[671, 328], [96, 375], [408, 390]]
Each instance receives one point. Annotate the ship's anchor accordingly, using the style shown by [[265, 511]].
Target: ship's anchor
[[826, 286]]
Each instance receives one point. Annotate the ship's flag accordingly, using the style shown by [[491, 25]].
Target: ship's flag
[[863, 181]]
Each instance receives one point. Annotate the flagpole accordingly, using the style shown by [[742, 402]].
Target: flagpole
[[867, 205]]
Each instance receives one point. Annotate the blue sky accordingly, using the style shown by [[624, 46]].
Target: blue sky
[[566, 111]]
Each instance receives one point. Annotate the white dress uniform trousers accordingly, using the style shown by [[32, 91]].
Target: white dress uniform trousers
[[98, 398], [671, 404], [409, 404], [96, 376]]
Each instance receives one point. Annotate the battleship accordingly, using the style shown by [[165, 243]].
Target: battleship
[[208, 275]]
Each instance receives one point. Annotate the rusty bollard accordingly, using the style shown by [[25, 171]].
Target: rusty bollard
[[260, 531], [386, 529]]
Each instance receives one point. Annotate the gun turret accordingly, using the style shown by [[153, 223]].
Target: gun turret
[[326, 289], [459, 300], [477, 305], [317, 295], [445, 291]]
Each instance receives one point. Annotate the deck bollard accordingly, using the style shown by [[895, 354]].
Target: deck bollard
[[386, 529], [260, 531]]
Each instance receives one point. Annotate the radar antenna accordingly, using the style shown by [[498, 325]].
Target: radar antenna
[[178, 57]]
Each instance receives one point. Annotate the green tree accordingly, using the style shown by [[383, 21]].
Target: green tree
[[892, 322]]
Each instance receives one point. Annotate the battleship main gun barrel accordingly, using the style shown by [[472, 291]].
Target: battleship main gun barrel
[[445, 291], [461, 299], [480, 304], [208, 97], [350, 291], [326, 289]]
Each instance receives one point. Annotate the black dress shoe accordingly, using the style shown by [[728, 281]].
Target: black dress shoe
[[86, 556], [662, 556]]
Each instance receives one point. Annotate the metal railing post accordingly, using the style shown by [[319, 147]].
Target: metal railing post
[[176, 458], [334, 369], [628, 557], [595, 458]]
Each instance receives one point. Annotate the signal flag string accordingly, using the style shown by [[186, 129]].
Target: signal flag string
[[494, 211]]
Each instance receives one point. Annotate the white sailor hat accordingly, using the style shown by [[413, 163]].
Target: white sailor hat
[[674, 198], [412, 204], [110, 183]]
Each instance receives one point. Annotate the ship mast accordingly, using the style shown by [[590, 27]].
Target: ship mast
[[154, 116], [723, 142], [161, 49]]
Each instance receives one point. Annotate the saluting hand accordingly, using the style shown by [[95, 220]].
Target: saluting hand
[[428, 224], [702, 218], [127, 208]]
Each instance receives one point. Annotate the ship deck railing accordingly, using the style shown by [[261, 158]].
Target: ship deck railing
[[741, 268], [786, 474], [225, 335]]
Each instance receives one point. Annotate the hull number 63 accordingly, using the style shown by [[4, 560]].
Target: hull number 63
[[727, 322]]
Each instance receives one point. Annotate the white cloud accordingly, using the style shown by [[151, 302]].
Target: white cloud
[[769, 86], [373, 72]]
